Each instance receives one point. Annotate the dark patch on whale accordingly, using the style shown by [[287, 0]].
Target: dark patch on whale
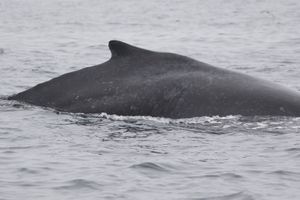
[[136, 81]]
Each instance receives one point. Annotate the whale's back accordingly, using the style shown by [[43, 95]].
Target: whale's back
[[136, 81]]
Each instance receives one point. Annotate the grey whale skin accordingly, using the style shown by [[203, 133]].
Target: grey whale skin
[[136, 81]]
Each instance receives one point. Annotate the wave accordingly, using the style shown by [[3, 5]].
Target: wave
[[77, 184], [233, 196]]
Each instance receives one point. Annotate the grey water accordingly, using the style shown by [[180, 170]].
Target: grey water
[[49, 155]]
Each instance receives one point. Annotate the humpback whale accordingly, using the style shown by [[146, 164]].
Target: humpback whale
[[136, 81]]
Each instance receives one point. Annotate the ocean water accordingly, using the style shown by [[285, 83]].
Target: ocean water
[[47, 155]]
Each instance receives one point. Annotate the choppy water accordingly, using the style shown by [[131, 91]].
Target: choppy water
[[49, 155]]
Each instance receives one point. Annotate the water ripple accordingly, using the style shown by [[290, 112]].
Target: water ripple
[[287, 175], [293, 149], [23, 147], [234, 196], [150, 166], [27, 170], [78, 184], [223, 175], [2, 51]]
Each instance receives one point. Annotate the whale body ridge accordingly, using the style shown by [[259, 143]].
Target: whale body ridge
[[136, 81]]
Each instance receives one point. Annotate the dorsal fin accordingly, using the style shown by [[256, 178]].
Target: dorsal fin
[[119, 48]]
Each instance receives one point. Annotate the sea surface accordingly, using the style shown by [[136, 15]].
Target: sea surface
[[45, 155]]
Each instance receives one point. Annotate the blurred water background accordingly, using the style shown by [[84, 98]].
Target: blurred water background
[[48, 155]]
